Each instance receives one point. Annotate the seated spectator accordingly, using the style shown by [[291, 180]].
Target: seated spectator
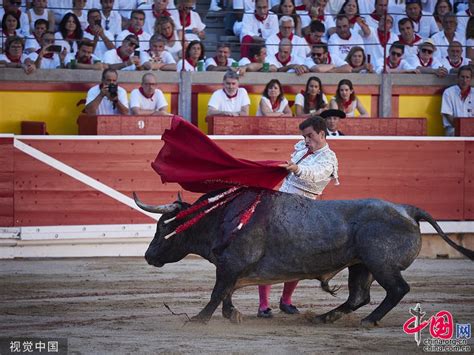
[[408, 37], [154, 11], [357, 59], [137, 20], [39, 11], [103, 40], [311, 101], [14, 6], [45, 57], [357, 24], [257, 27], [111, 19], [424, 24], [379, 39], [341, 42], [470, 39], [165, 27], [257, 60], [442, 8], [10, 27], [320, 61], [332, 118], [394, 63], [32, 43], [14, 56], [284, 61], [443, 38], [458, 100], [288, 8], [230, 100], [314, 33], [148, 99], [188, 21], [346, 100], [69, 33], [425, 62], [380, 9], [287, 26], [125, 57], [273, 102], [84, 58], [107, 98], [195, 52], [222, 60], [157, 57], [315, 10], [78, 10], [454, 60]]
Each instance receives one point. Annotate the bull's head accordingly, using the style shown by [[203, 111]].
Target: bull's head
[[161, 250]]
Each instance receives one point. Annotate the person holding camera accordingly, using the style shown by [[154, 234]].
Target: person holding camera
[[84, 58], [107, 98], [125, 57], [49, 56], [103, 40]]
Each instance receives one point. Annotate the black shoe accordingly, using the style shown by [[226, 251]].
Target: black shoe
[[288, 308], [267, 313]]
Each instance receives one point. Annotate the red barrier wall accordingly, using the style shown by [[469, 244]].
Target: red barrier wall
[[6, 181]]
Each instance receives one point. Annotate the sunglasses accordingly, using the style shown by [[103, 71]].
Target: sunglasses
[[426, 50], [397, 54]]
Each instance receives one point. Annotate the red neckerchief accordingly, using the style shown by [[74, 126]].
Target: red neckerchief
[[261, 18], [187, 19], [283, 62], [329, 58], [402, 41], [308, 39], [88, 30], [124, 59], [346, 104], [46, 55], [70, 37], [375, 16], [465, 93], [149, 97], [217, 62], [136, 33], [390, 64], [320, 14], [275, 105], [353, 20], [158, 14], [230, 96], [300, 8], [191, 62], [281, 37], [13, 60], [168, 37], [423, 64], [454, 65], [383, 37], [253, 60], [88, 61]]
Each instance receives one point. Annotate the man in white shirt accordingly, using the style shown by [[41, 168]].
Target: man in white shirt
[[188, 21], [284, 61], [408, 37], [458, 100], [321, 61], [111, 19], [443, 38], [425, 62], [45, 58], [380, 38], [394, 63], [341, 42], [287, 27], [84, 58], [222, 60], [230, 100], [107, 98], [32, 42], [454, 60], [103, 40], [148, 99], [137, 20], [424, 24], [124, 57], [257, 60]]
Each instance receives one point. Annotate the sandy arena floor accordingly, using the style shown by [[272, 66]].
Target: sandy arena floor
[[115, 305]]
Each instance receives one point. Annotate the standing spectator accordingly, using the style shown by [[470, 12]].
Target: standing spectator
[[332, 118], [284, 61], [69, 32], [424, 24], [32, 43], [78, 10], [84, 58], [380, 39], [257, 27], [341, 42], [222, 60], [14, 56], [155, 11], [442, 8], [346, 100], [311, 101], [107, 98], [273, 102], [458, 100], [195, 52], [443, 38], [124, 57], [425, 62], [257, 60], [137, 20], [148, 99], [287, 8], [230, 100], [103, 40], [45, 58], [157, 57], [10, 27], [470, 39], [188, 21], [357, 59], [287, 27], [39, 10], [320, 61], [111, 19], [165, 27], [394, 63], [408, 37], [454, 60]]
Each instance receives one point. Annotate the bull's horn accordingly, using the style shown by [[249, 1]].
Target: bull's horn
[[155, 209], [180, 198]]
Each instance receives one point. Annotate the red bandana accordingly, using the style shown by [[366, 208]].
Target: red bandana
[[453, 64], [13, 60], [353, 20], [283, 62], [423, 64], [191, 62], [375, 16], [320, 14], [329, 58], [383, 37], [346, 104], [158, 14], [402, 41], [261, 18], [220, 64], [184, 19], [230, 96], [300, 8], [281, 37], [149, 97], [308, 39], [389, 64], [136, 33], [46, 55], [124, 59], [465, 94], [71, 36], [276, 105], [88, 30]]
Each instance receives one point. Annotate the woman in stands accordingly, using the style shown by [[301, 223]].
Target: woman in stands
[[357, 59], [273, 102], [350, 8], [442, 8], [39, 11], [14, 56], [10, 28], [347, 101], [69, 32], [78, 10], [195, 52], [312, 100], [288, 8], [165, 26]]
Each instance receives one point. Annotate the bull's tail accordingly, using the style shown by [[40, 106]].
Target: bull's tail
[[418, 215]]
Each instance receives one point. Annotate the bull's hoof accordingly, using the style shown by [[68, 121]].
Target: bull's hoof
[[367, 323], [322, 319], [199, 319], [236, 317]]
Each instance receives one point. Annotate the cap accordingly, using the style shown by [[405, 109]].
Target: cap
[[427, 42], [332, 112]]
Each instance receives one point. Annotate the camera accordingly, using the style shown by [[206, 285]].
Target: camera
[[136, 53], [113, 90], [55, 48]]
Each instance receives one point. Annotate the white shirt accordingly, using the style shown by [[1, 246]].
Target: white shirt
[[442, 44], [425, 28], [403, 65], [447, 64], [452, 104], [65, 44], [299, 99], [341, 47], [300, 47], [212, 61], [187, 66], [253, 27], [111, 57], [415, 62], [32, 44], [219, 101], [176, 49], [195, 22], [113, 23], [106, 106], [4, 58], [411, 49], [374, 48], [150, 19], [144, 39], [31, 14], [156, 102], [100, 47], [47, 63], [165, 56], [265, 101], [335, 60], [273, 60]]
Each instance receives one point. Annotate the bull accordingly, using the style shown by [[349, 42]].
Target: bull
[[290, 237]]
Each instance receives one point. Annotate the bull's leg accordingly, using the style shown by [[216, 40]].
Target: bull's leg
[[229, 311], [360, 280], [396, 288]]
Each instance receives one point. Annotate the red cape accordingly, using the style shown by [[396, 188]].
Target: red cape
[[194, 161]]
